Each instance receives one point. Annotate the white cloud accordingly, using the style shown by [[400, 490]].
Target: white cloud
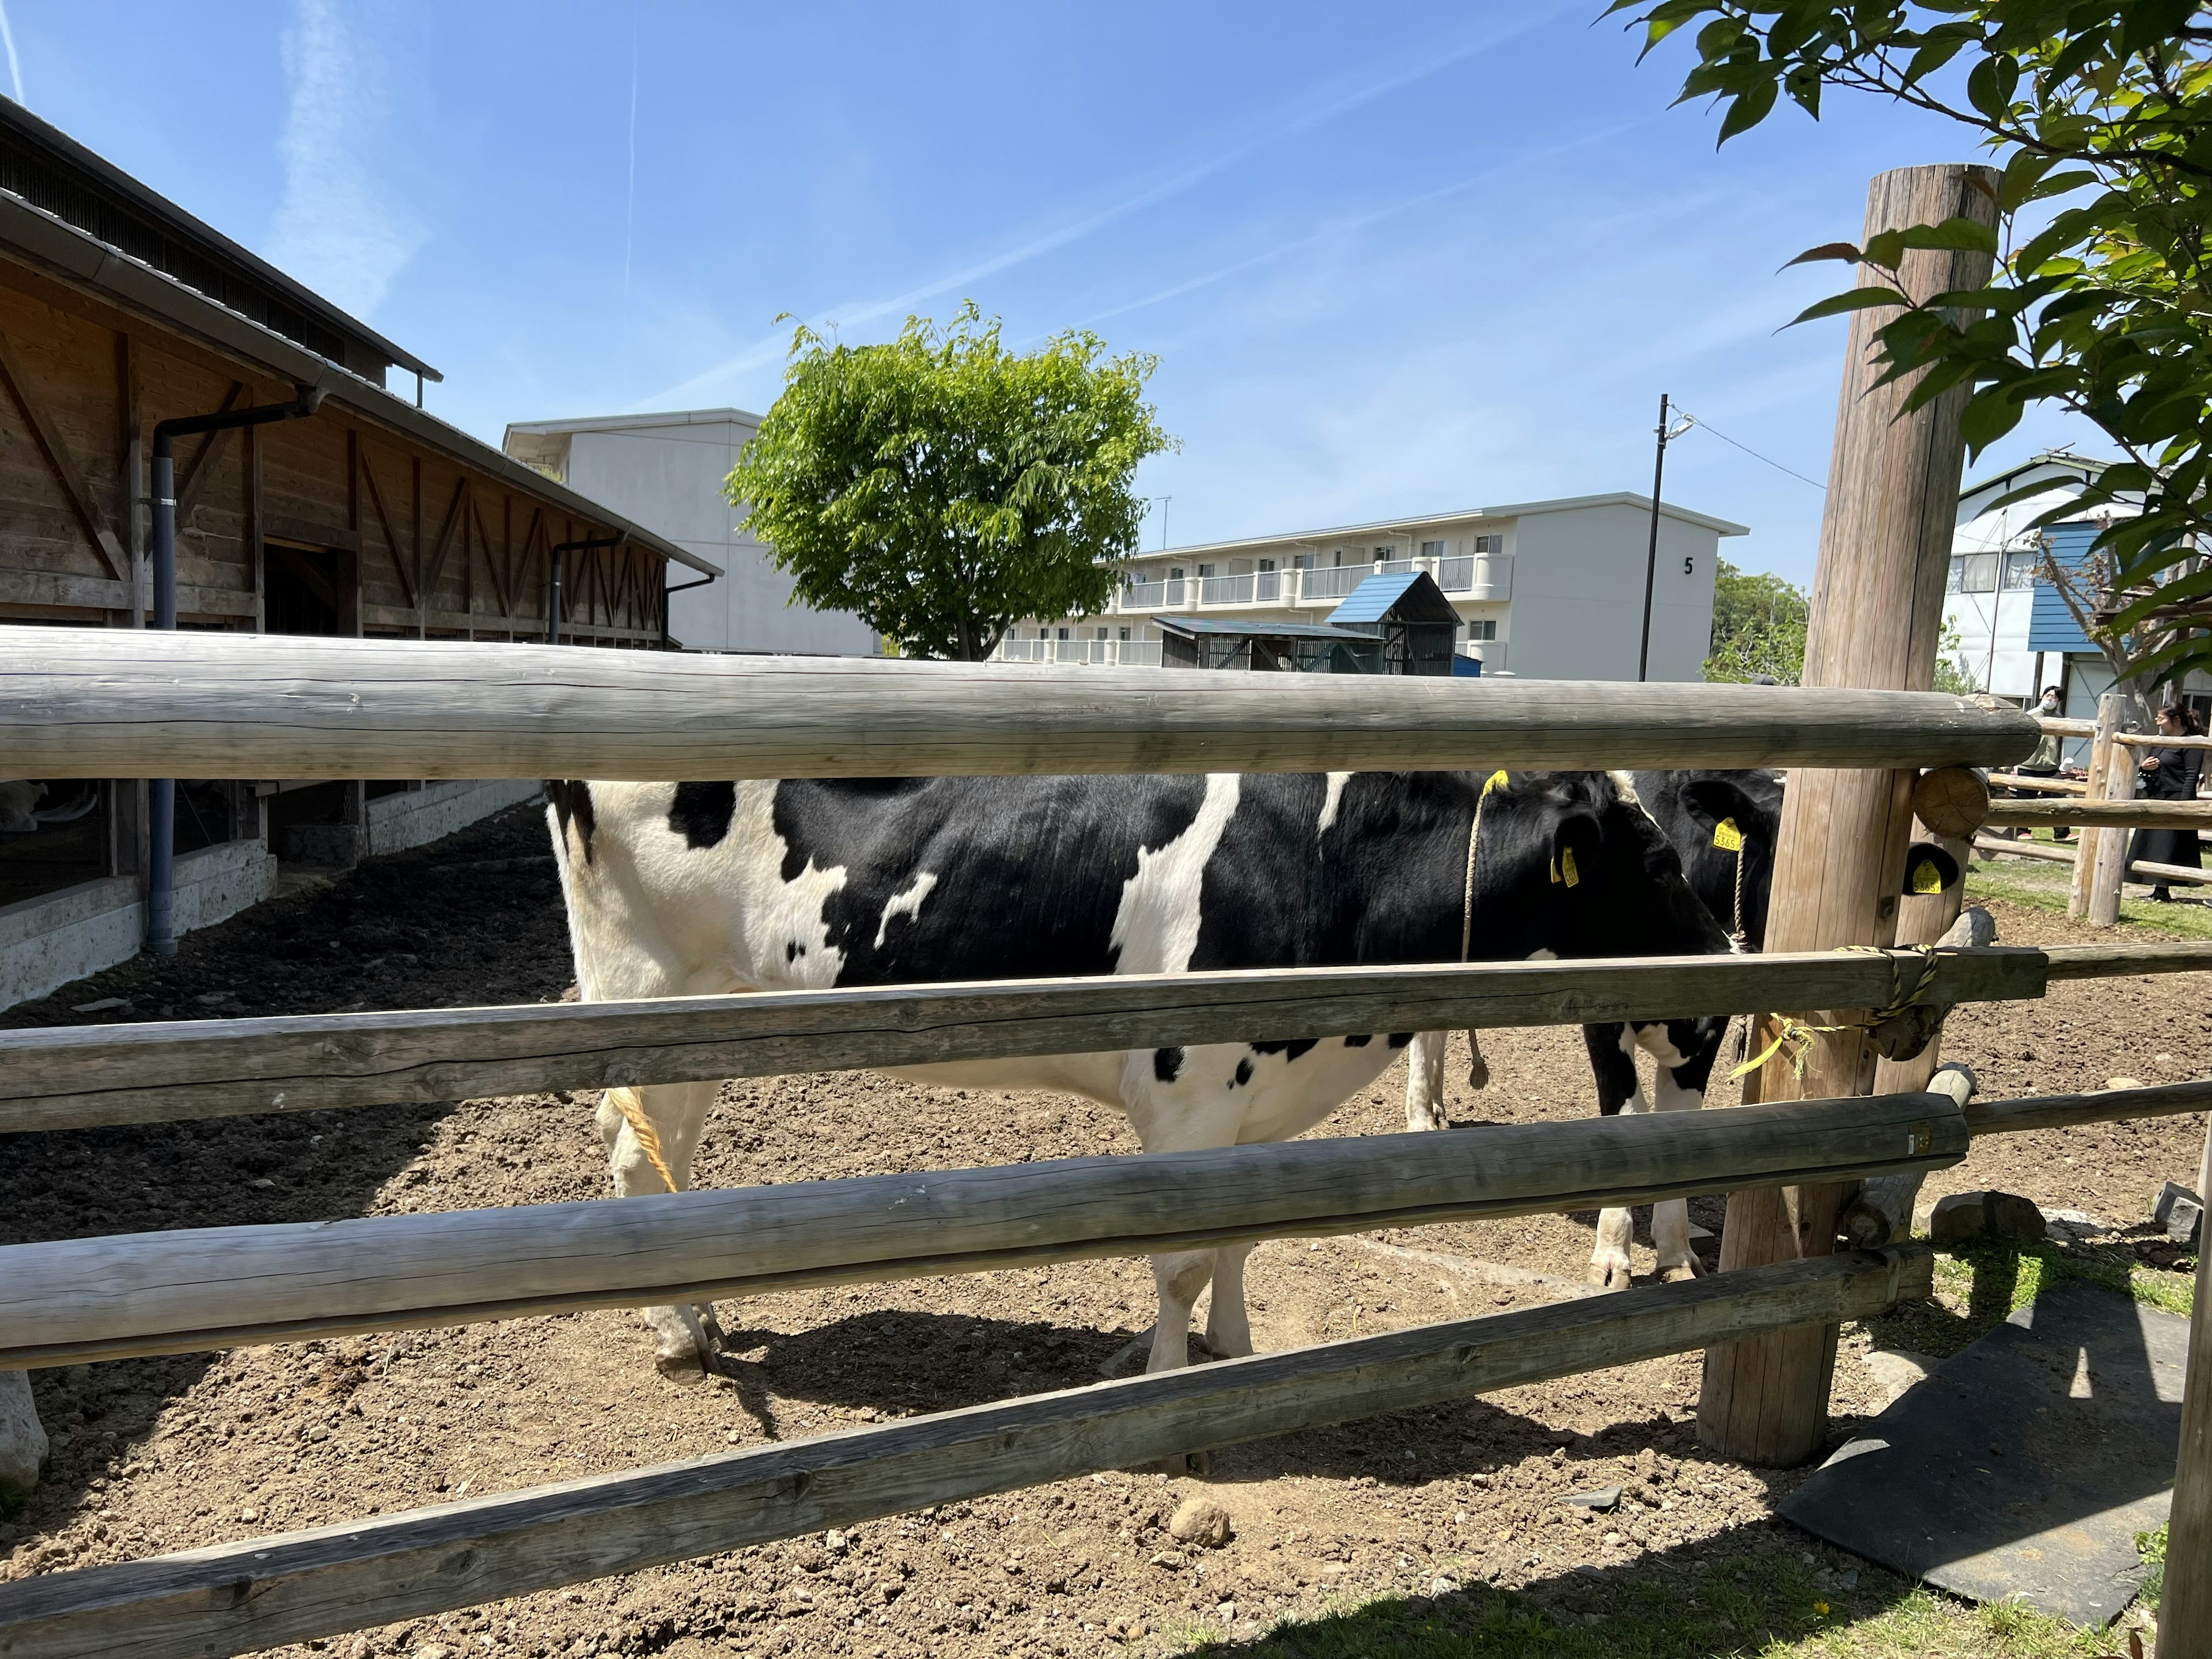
[[340, 228]]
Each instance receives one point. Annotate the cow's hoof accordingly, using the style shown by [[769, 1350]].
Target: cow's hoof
[[1611, 1275], [688, 1369], [1681, 1273]]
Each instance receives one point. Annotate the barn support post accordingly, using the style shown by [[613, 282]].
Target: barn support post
[[2112, 712], [1840, 868], [2185, 1611]]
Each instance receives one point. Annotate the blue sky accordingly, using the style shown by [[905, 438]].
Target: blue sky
[[1392, 258]]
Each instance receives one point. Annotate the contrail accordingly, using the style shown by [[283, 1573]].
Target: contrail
[[15, 63], [770, 347], [629, 212]]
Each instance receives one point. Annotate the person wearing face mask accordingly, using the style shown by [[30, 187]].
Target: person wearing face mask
[[2044, 761], [2170, 773]]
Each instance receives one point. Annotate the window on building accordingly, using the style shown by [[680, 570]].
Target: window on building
[[1102, 634], [1432, 550], [1125, 632], [1266, 564], [1063, 633], [1302, 560], [1205, 570], [1490, 544], [1483, 628], [1974, 573], [1381, 552], [1174, 573], [2019, 567]]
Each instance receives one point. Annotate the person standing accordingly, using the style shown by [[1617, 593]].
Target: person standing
[[2170, 772], [2043, 762]]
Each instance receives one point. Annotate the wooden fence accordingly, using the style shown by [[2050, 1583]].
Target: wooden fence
[[91, 703]]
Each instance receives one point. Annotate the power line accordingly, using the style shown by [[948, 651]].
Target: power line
[[1754, 454]]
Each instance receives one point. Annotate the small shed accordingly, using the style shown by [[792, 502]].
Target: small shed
[[1407, 617], [1275, 647]]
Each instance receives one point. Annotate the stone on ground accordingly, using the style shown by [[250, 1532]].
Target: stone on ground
[[1200, 1520], [2179, 1213], [23, 1442], [1986, 1217]]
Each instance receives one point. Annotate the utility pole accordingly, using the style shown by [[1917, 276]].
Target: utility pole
[[1651, 554], [1164, 501]]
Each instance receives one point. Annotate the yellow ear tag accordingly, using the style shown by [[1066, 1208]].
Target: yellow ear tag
[[1555, 872], [1726, 836], [1926, 877], [1567, 866], [1496, 780]]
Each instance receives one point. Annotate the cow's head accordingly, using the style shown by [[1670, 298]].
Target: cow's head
[[1573, 865], [1707, 814]]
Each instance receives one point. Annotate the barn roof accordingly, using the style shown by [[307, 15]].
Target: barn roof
[[44, 165], [1411, 596], [45, 239]]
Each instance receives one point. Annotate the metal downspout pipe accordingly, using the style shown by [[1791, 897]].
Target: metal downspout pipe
[[161, 792]]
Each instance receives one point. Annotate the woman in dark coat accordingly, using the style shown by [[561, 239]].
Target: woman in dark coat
[[2170, 773]]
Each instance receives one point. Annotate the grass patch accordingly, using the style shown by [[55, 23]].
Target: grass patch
[[1768, 1605], [2032, 887], [1977, 1289], [2151, 1546]]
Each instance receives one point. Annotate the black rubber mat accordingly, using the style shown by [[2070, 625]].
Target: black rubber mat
[[2023, 1465]]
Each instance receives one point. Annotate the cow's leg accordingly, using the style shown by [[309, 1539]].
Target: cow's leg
[[1612, 1061], [1685, 1050], [673, 1116], [1228, 1326], [1425, 1082]]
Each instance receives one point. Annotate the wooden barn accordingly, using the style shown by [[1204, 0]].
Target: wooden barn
[[369, 515]]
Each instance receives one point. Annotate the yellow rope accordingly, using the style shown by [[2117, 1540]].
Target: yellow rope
[[631, 1105], [1495, 780], [1797, 1041]]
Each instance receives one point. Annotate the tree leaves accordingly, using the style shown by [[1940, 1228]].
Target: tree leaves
[[2100, 117], [942, 487]]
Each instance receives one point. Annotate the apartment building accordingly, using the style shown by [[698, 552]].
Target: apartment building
[[1549, 590]]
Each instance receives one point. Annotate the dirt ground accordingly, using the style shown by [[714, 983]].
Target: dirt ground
[[1450, 1503]]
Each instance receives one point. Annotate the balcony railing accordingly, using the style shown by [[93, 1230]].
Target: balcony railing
[[1330, 582], [1126, 653], [1478, 576]]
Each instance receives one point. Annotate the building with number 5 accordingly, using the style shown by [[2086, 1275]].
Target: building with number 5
[[1545, 590]]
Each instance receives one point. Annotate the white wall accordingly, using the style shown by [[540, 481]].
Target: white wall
[[668, 478], [1577, 609]]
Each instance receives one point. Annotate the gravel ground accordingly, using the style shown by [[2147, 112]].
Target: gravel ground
[[1453, 1502]]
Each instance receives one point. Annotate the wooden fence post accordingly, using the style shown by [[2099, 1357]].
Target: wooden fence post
[[2110, 711], [1839, 870], [2119, 782], [2185, 1610]]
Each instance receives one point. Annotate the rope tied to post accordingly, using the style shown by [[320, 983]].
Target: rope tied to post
[[1795, 1040]]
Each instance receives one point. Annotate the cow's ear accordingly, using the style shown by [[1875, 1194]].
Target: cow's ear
[[1576, 845], [1713, 802]]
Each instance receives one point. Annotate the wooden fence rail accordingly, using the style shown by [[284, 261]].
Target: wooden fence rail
[[83, 1076], [2116, 814], [263, 1592], [78, 1299], [2141, 869], [94, 703]]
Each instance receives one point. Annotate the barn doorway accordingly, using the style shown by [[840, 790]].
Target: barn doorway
[[309, 590]]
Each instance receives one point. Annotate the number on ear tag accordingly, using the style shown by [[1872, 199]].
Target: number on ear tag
[[1726, 836], [1926, 877], [1567, 867]]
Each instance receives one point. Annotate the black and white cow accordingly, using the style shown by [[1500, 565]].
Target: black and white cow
[[1734, 882], [702, 888]]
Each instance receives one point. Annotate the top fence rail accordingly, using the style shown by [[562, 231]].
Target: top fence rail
[[99, 703]]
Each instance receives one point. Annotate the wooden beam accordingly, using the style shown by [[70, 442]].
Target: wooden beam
[[2116, 814], [131, 456], [54, 450], [415, 548], [2076, 1111], [265, 1592], [391, 541], [205, 457], [2111, 710], [454, 511], [86, 703], [2037, 786], [491, 563], [2140, 869], [78, 1299], [78, 1076], [2158, 740], [2185, 1610], [1876, 616]]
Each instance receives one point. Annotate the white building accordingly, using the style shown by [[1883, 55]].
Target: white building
[[1993, 602], [1550, 590], [665, 471]]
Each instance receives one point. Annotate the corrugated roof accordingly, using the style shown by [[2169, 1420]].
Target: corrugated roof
[[1412, 594], [1244, 629]]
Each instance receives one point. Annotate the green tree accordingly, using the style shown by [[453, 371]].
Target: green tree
[[1758, 627], [943, 487], [2099, 118]]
